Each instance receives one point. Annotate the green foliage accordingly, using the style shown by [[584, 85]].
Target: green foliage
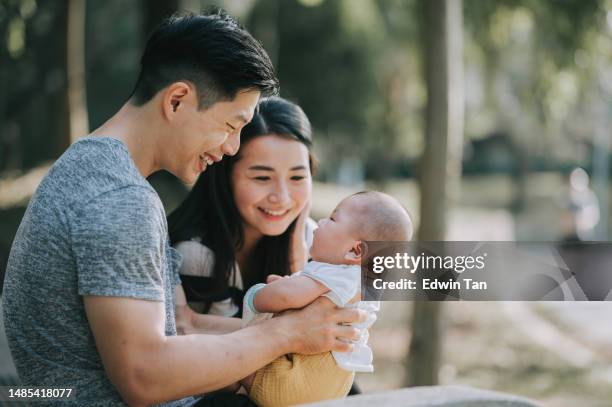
[[32, 78], [337, 61], [538, 61], [561, 25], [354, 66]]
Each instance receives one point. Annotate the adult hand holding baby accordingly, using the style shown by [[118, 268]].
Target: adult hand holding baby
[[321, 327]]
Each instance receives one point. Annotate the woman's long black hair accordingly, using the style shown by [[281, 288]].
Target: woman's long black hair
[[209, 212]]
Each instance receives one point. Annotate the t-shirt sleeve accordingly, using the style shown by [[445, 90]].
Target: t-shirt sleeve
[[176, 259], [119, 243], [343, 282]]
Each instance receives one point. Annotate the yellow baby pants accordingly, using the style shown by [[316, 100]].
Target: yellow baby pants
[[297, 379]]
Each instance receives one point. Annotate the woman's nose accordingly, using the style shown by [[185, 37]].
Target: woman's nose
[[280, 195]]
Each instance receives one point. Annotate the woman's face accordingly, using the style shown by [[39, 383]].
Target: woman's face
[[271, 183]]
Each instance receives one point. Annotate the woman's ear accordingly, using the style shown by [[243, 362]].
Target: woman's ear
[[354, 255]]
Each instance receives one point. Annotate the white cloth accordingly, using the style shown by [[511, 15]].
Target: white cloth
[[344, 283]]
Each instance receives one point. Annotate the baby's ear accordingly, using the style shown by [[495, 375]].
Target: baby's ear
[[354, 255]]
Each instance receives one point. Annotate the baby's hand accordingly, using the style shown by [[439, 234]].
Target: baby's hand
[[273, 277]]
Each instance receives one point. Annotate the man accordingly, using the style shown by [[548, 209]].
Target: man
[[88, 298]]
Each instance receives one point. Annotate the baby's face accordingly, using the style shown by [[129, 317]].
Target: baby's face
[[335, 236]]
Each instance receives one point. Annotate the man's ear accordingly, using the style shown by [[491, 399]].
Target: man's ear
[[176, 95], [356, 253]]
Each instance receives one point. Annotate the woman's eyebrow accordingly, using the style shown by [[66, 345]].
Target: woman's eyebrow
[[298, 167], [261, 168]]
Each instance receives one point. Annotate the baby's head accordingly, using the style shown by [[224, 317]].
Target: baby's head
[[364, 216]]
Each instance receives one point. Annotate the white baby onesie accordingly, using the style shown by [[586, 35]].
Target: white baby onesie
[[344, 283]]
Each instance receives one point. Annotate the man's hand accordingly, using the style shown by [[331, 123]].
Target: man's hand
[[317, 328]]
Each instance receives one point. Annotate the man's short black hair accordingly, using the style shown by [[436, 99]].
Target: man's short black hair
[[211, 51]]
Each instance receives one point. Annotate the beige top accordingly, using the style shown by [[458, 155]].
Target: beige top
[[199, 260]]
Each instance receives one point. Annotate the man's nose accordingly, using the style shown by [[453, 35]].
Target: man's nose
[[232, 144]]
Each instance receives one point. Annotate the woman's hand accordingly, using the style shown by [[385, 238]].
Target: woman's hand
[[298, 255]]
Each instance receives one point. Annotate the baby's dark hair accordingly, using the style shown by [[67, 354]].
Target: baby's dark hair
[[382, 217]]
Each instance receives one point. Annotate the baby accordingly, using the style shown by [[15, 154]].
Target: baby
[[335, 272]]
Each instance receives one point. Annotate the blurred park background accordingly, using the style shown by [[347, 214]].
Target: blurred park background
[[489, 120]]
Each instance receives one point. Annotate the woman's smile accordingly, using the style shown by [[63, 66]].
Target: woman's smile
[[274, 214]]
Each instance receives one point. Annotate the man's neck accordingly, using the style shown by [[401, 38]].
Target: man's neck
[[138, 128]]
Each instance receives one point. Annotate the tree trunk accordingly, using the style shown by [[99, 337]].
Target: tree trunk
[[154, 12], [61, 94], [75, 68], [440, 165]]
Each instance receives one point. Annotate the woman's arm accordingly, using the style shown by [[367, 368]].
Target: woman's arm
[[190, 322], [288, 293]]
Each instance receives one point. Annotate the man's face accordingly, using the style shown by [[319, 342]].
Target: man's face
[[203, 137]]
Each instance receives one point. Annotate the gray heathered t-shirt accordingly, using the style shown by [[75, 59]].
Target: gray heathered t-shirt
[[94, 226]]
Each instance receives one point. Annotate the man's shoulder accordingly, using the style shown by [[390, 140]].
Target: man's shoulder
[[96, 168], [122, 209]]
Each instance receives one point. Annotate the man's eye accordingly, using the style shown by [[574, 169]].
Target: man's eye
[[232, 128]]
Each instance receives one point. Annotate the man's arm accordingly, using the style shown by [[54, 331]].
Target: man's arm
[[288, 293], [147, 367], [190, 322]]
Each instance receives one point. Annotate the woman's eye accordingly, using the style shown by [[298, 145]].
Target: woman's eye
[[297, 177], [262, 178]]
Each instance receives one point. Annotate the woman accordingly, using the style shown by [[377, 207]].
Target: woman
[[246, 217]]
